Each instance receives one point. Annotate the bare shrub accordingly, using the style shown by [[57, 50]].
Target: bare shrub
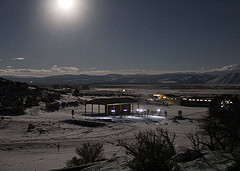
[[226, 111], [215, 136], [151, 150], [196, 143], [211, 136], [88, 153], [220, 130], [51, 107], [236, 165]]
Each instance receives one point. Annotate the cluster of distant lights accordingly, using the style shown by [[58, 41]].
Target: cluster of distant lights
[[144, 110], [141, 110], [138, 110], [164, 97], [190, 99], [113, 110], [198, 100], [226, 103]]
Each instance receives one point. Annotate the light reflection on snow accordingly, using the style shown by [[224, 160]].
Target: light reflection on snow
[[133, 119]]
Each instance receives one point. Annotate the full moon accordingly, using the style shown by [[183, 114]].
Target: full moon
[[66, 5], [65, 13]]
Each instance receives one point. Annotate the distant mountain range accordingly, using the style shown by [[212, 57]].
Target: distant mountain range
[[178, 78], [226, 75]]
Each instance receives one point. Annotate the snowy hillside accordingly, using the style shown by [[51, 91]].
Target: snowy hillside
[[233, 78]]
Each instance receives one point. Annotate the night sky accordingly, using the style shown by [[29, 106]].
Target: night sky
[[119, 35]]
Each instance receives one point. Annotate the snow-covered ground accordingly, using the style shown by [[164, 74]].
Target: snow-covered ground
[[38, 149], [133, 119]]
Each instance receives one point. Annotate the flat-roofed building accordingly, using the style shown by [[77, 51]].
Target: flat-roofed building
[[196, 101], [169, 99], [113, 106]]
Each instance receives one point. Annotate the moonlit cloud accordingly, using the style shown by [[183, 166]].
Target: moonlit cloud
[[0, 60], [18, 59], [55, 70], [64, 69]]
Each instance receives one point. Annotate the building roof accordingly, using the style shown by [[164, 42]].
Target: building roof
[[106, 101]]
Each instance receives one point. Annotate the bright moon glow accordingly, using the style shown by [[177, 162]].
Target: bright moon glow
[[65, 4], [65, 13]]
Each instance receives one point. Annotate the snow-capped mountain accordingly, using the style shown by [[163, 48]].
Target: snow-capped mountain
[[229, 68], [234, 68]]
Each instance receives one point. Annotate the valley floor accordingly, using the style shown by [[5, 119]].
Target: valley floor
[[51, 143]]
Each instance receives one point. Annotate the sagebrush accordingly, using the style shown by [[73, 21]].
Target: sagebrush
[[87, 153], [151, 150]]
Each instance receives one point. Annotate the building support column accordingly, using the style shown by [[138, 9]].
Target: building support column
[[92, 109], [106, 110], [132, 108], [98, 109], [121, 112]]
